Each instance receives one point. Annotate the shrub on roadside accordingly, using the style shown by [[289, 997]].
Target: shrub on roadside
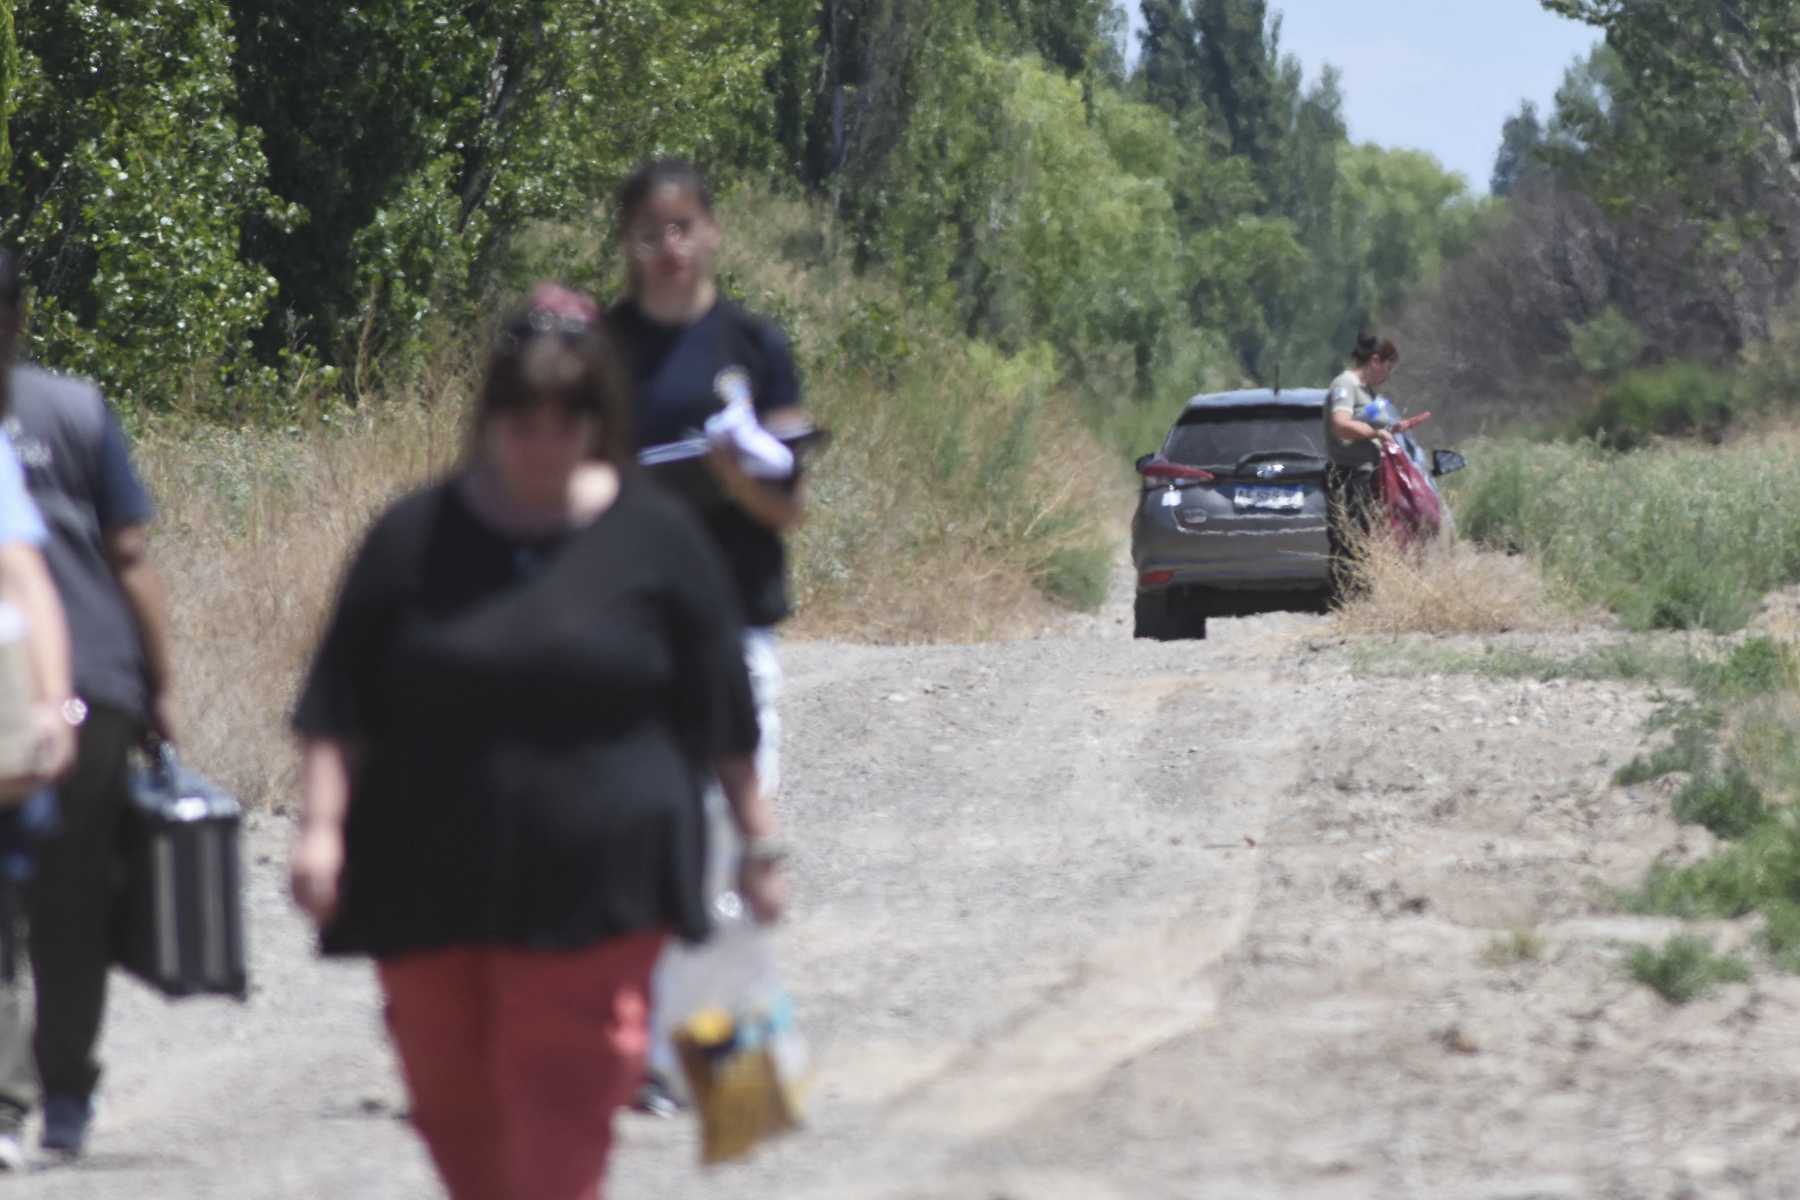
[[253, 531], [1674, 538], [963, 495], [1445, 587], [1759, 872], [1686, 968], [1728, 803], [1690, 751], [1677, 400]]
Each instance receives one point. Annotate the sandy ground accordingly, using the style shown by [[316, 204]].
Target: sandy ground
[[1083, 918]]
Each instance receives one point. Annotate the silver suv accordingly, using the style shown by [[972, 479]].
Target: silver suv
[[1232, 517]]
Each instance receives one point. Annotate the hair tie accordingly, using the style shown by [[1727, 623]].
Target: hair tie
[[558, 301]]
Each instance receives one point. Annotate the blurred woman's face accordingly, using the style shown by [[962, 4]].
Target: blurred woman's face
[[1377, 372], [672, 242], [536, 450]]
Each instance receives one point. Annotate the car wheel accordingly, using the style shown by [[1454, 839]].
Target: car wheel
[[1193, 625], [1150, 617]]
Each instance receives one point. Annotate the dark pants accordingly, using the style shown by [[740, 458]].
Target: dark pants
[[1353, 507], [18, 1074], [70, 901]]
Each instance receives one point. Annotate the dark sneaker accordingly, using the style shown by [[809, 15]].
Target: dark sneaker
[[655, 1099], [66, 1123]]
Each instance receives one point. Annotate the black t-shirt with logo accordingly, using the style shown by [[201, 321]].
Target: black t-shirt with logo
[[676, 369]]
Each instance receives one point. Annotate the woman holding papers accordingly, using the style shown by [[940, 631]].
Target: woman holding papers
[[717, 414]]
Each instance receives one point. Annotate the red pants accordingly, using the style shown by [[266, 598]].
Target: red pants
[[516, 1059]]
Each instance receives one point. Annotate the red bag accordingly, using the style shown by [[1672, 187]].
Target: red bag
[[1411, 505]]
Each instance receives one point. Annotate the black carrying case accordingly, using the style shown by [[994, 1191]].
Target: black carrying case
[[180, 920]]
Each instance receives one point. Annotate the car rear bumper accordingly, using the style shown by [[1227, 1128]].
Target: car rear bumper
[[1255, 553]]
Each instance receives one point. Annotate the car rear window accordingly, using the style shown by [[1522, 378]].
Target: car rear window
[[1220, 439]]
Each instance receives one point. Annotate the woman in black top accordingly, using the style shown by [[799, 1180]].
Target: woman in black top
[[693, 354], [532, 670], [689, 350]]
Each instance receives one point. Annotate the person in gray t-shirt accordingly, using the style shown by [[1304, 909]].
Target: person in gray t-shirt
[[1354, 448], [97, 512]]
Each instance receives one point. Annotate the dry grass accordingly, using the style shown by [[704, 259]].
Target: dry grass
[[961, 487], [922, 534], [1449, 587], [253, 534]]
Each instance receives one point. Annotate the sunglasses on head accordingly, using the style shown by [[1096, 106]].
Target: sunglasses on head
[[542, 323]]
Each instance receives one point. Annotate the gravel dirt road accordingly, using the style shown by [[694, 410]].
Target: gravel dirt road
[[1083, 918]]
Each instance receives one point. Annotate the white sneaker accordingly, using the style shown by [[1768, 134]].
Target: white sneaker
[[12, 1152]]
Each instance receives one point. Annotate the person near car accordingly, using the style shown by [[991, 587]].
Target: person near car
[[1353, 450], [688, 349], [97, 514], [532, 670]]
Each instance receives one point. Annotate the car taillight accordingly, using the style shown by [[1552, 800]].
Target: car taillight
[[1168, 471], [1152, 579]]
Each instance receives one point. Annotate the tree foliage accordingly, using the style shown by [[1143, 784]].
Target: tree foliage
[[130, 186], [1520, 157], [9, 81], [1714, 84], [1649, 216], [419, 135], [206, 193]]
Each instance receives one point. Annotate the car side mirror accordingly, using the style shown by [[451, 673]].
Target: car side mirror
[[1138, 466], [1447, 462]]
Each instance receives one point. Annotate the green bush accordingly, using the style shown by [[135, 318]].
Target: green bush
[[1078, 575], [1606, 345], [1730, 804], [1680, 399], [1747, 875], [1781, 933], [1691, 751], [1685, 968], [1681, 538], [1756, 666]]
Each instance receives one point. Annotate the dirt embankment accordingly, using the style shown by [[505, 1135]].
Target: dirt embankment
[[1087, 918]]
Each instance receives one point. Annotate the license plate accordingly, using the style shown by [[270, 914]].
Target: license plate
[[1276, 499]]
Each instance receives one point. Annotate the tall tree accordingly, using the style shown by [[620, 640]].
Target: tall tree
[[1520, 156], [1239, 73], [1168, 62], [420, 135], [129, 192], [1712, 80], [1066, 34]]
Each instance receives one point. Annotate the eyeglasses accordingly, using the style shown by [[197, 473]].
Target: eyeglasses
[[538, 323], [648, 239]]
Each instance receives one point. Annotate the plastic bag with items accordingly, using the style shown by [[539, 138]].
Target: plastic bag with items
[[742, 1059]]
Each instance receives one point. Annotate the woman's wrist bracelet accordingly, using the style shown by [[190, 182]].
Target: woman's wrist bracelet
[[763, 850]]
